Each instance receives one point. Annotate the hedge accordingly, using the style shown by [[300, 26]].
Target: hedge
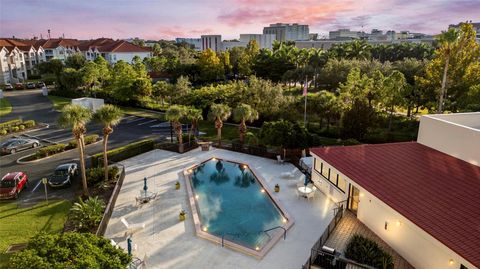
[[10, 123], [89, 139], [96, 175], [50, 150], [125, 152], [16, 125], [366, 251]]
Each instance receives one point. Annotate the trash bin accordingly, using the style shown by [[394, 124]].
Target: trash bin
[[45, 91]]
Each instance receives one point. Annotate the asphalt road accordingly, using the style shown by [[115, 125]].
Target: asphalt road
[[32, 105]]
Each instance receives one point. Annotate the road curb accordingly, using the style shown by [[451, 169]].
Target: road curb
[[19, 160]]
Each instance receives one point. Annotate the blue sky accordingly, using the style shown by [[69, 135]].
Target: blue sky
[[156, 19]]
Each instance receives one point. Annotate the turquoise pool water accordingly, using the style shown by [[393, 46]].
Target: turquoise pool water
[[230, 202]]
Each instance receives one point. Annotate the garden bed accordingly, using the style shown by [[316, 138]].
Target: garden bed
[[53, 150], [17, 126]]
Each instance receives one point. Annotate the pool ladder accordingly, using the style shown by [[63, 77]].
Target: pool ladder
[[265, 231]]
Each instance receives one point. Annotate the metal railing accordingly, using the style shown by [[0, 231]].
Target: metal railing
[[260, 232]]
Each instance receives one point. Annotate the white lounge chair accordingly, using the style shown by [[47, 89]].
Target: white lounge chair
[[279, 159], [287, 175], [131, 228]]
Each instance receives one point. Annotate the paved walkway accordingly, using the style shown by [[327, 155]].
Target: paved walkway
[[350, 225]]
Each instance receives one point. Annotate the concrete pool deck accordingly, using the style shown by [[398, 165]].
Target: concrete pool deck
[[168, 243]]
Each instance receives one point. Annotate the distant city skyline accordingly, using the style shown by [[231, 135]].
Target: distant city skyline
[[149, 19]]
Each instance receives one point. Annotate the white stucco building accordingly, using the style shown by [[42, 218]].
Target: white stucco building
[[419, 197], [123, 50], [12, 63], [288, 32], [264, 41], [213, 42]]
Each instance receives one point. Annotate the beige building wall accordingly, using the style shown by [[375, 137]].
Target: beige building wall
[[457, 135], [415, 245]]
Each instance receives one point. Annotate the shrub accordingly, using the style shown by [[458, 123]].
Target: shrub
[[89, 139], [125, 152], [15, 129], [69, 250], [3, 132], [87, 214], [366, 251], [50, 150], [10, 123], [29, 123], [96, 175], [21, 127]]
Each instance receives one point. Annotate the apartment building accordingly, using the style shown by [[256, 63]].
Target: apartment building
[[264, 41]]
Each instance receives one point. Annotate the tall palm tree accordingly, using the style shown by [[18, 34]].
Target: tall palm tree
[[194, 115], [447, 40], [174, 115], [77, 117], [242, 114], [109, 116], [219, 113]]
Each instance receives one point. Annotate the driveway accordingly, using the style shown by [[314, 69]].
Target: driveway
[[30, 105]]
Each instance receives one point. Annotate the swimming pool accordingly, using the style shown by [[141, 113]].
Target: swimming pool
[[230, 205]]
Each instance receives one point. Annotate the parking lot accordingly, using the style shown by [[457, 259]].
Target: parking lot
[[131, 128]]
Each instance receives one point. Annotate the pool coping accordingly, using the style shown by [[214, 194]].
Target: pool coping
[[259, 254]]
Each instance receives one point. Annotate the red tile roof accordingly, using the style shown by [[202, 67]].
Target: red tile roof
[[10, 43], [122, 46], [437, 192]]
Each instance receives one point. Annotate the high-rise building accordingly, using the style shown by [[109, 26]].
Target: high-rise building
[[288, 32], [264, 41], [343, 34], [213, 42]]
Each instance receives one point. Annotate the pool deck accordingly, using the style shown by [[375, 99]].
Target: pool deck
[[168, 243]]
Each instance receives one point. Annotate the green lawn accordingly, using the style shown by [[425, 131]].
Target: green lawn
[[18, 225], [59, 102], [5, 107], [142, 112], [229, 132]]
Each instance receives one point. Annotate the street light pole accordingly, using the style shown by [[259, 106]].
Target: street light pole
[[44, 181]]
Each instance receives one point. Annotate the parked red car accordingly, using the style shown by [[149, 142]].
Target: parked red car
[[19, 86], [12, 184]]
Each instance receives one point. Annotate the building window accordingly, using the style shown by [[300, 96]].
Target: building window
[[334, 178]]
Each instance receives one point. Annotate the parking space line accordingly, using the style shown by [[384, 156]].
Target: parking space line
[[147, 122], [36, 186], [135, 120]]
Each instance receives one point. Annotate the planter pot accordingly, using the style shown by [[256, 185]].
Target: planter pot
[[177, 185], [182, 216], [277, 188]]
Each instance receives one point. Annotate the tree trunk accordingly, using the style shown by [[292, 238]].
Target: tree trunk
[[409, 111], [105, 157], [242, 129], [390, 119], [81, 148], [219, 136], [444, 85]]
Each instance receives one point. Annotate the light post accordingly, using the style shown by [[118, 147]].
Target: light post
[[45, 181]]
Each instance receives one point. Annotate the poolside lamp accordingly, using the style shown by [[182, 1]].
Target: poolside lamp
[[145, 187], [129, 246]]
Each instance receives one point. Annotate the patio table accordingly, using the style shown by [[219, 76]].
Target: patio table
[[145, 196], [305, 190]]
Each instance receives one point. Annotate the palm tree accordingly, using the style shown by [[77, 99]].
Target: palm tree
[[174, 115], [219, 113], [87, 214], [108, 116], [77, 117], [242, 114], [193, 115], [447, 39]]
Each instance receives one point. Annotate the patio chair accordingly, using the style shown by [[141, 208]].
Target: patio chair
[[287, 175], [279, 160], [131, 228], [311, 195]]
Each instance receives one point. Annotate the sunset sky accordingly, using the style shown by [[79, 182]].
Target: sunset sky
[[162, 19]]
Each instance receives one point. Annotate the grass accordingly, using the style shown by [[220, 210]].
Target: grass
[[59, 102], [18, 225], [229, 132], [5, 107], [139, 112]]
